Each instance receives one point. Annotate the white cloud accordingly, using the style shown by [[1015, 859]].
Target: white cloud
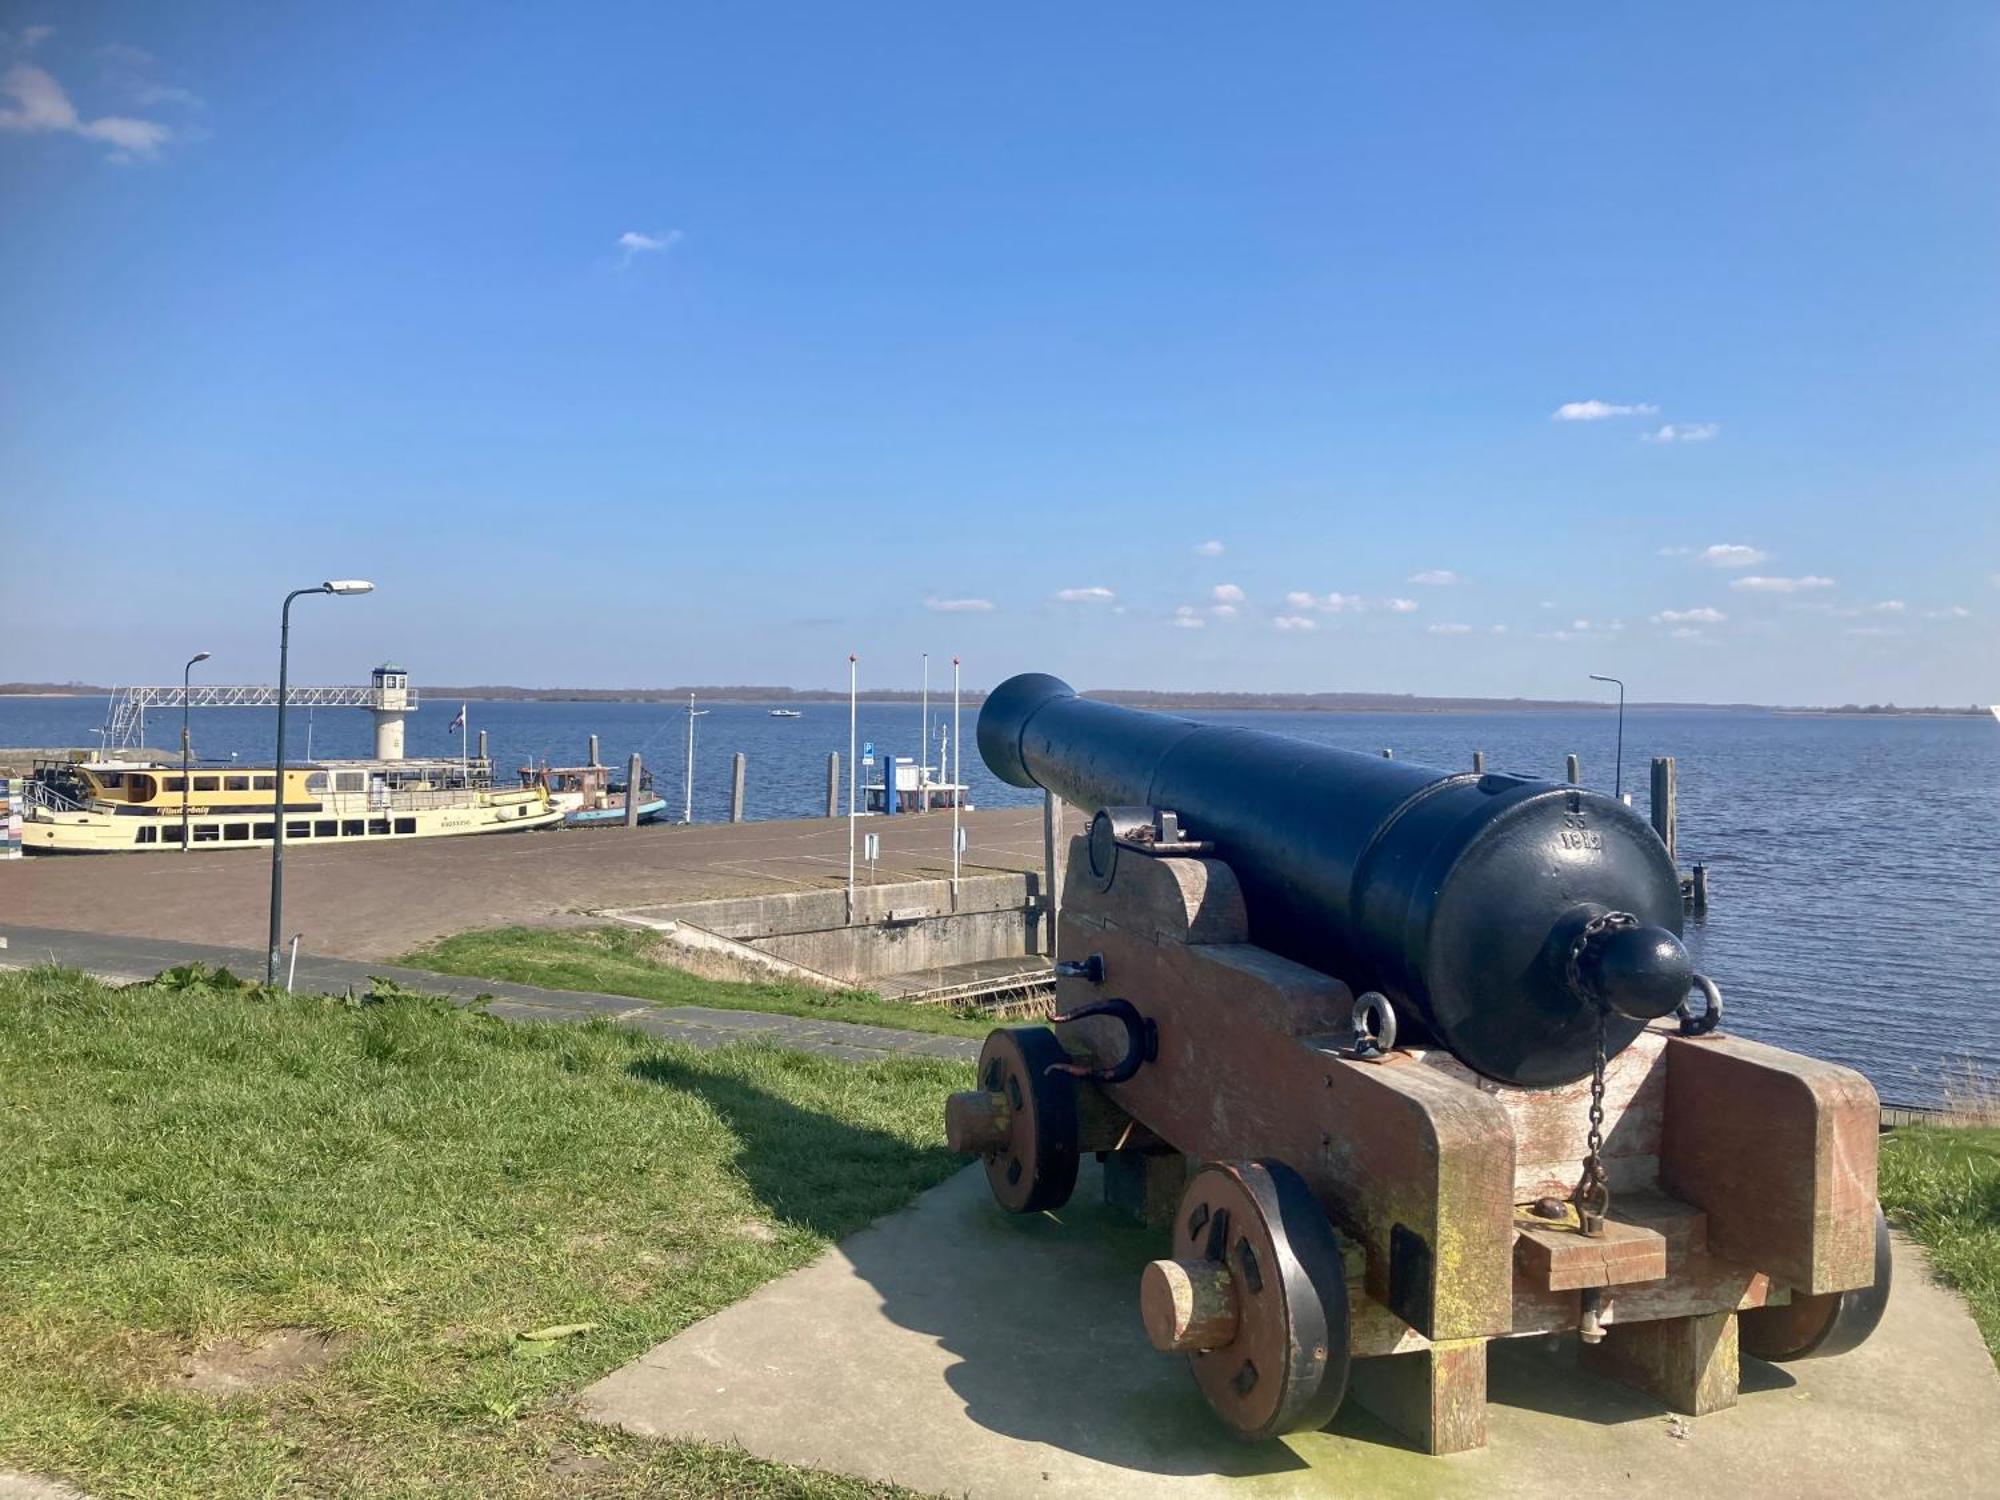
[[1223, 611], [1873, 630], [1699, 615], [1950, 612], [1733, 555], [959, 606], [1295, 622], [1400, 606], [1547, 604], [1889, 607], [1187, 617], [1686, 633], [1597, 411], [1682, 432], [1437, 578], [1449, 629], [39, 105], [635, 244], [1676, 552], [1226, 593], [1335, 603], [1209, 549], [1093, 595], [1757, 583], [1496, 629]]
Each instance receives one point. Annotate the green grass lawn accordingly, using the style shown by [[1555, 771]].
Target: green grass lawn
[[188, 1166], [1942, 1184], [619, 961]]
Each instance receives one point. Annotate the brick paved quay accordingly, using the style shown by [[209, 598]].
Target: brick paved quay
[[376, 902]]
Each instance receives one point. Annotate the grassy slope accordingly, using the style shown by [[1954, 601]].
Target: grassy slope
[[426, 1182], [618, 961], [1943, 1186]]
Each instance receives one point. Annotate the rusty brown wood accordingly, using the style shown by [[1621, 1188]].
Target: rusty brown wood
[[1415, 1166], [1780, 1150], [1562, 1260], [1435, 1397], [1688, 1364]]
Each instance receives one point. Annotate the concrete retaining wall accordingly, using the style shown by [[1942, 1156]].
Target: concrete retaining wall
[[897, 928]]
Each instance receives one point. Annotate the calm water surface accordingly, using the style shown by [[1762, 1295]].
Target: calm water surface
[[1855, 863]]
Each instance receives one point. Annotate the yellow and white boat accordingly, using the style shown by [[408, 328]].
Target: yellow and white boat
[[104, 806]]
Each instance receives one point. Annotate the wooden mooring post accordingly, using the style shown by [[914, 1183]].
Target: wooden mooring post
[[1387, 753], [1663, 804], [631, 787], [833, 783], [1573, 770], [1479, 762], [482, 744], [736, 788], [593, 750]]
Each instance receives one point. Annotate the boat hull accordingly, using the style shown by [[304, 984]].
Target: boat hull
[[98, 832], [614, 817]]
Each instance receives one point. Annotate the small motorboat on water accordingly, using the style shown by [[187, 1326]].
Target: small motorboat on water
[[786, 713], [589, 798]]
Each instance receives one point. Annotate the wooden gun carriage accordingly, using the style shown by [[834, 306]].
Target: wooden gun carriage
[[1353, 1218]]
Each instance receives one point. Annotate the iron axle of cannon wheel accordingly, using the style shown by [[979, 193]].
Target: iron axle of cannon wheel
[[1022, 1118]]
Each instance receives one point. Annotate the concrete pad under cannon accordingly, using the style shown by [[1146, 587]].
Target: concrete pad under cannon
[[959, 1351]]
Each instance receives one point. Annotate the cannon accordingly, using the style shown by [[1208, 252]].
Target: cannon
[[1406, 1061]]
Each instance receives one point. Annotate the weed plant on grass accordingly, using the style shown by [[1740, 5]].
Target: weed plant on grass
[[186, 1165], [619, 961], [1943, 1186]]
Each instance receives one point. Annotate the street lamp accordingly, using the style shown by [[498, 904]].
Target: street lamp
[[1618, 775], [198, 656], [331, 586]]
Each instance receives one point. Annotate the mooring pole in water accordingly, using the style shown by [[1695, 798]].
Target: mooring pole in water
[[957, 788], [1387, 753], [482, 744], [736, 788], [1572, 770], [833, 783], [1665, 795], [1479, 762], [632, 792], [593, 750], [1701, 887], [853, 718]]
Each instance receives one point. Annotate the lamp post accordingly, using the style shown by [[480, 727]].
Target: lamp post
[[331, 586], [1618, 774], [197, 657]]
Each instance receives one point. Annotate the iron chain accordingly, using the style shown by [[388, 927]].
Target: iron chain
[[1593, 1194]]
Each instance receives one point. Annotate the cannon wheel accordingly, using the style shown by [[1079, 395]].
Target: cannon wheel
[[1284, 1367], [1036, 1168], [1815, 1326]]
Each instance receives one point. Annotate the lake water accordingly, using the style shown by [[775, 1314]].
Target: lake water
[[1855, 863]]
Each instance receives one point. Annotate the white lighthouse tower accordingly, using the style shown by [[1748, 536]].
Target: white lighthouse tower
[[392, 701]]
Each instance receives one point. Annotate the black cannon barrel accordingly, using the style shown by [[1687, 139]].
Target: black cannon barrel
[[1461, 897]]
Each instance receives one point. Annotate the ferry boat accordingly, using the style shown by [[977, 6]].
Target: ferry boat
[[106, 806], [787, 713]]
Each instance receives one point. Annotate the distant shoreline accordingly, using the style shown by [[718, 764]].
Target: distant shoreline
[[1330, 703]]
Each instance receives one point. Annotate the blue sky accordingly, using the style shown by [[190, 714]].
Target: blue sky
[[644, 344]]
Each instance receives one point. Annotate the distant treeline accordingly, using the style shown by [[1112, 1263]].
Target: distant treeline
[[1333, 703]]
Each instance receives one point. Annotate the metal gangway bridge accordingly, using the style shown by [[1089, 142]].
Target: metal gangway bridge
[[125, 726]]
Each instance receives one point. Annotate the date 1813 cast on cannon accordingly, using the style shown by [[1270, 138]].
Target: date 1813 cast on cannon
[[1405, 1062]]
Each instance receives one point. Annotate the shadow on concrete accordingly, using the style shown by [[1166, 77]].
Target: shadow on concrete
[[1001, 1293]]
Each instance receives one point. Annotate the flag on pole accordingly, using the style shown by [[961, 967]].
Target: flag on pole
[[458, 723]]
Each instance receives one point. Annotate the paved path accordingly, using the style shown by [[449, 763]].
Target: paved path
[[960, 1350], [123, 959], [381, 900]]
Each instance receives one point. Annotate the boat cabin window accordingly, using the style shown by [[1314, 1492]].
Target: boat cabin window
[[350, 781], [171, 834], [298, 828], [350, 828], [151, 835], [206, 833], [325, 828], [141, 788], [109, 779], [206, 783], [378, 825], [236, 783], [316, 783], [267, 830], [236, 833], [406, 825], [265, 783], [177, 783]]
